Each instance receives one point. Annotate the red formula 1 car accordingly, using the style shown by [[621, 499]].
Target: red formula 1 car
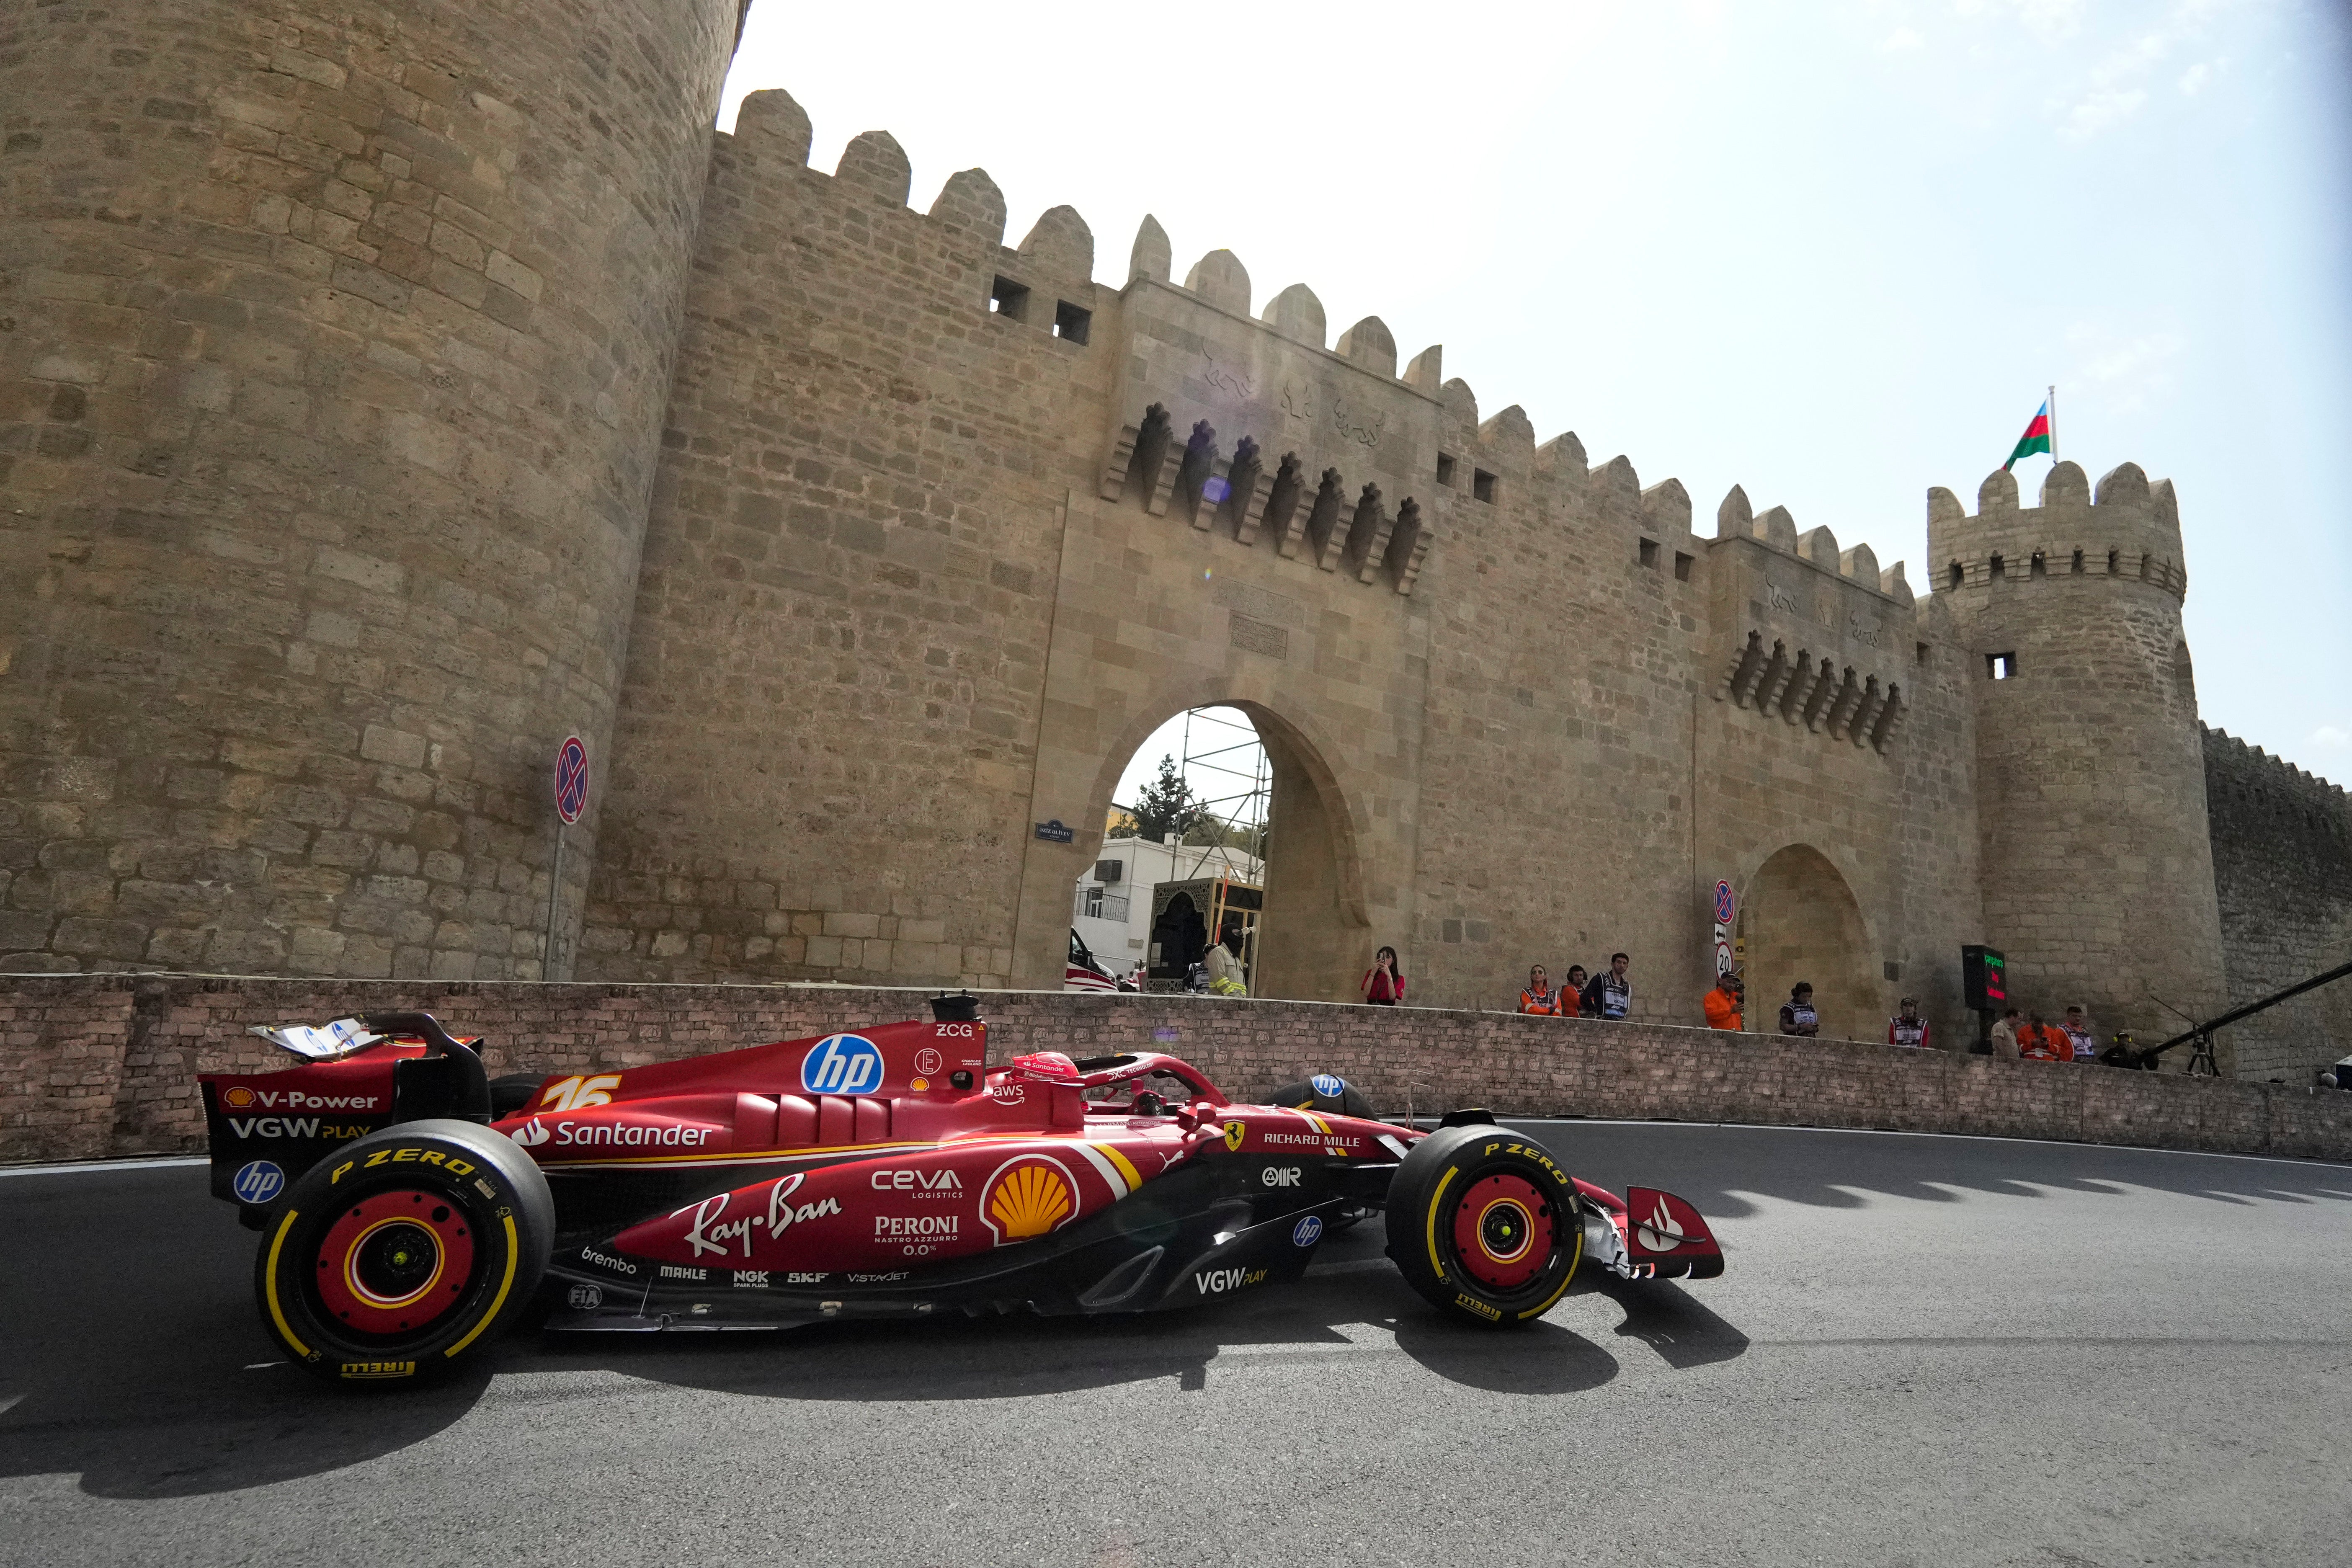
[[410, 1209]]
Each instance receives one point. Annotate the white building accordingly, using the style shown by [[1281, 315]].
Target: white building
[[1111, 911]]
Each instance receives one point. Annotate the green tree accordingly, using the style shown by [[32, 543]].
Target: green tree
[[1167, 804]]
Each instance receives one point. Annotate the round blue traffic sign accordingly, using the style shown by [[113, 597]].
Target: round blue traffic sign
[[572, 780], [1723, 903]]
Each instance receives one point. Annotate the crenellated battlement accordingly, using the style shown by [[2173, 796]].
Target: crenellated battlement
[[2127, 530], [1261, 426], [2253, 780]]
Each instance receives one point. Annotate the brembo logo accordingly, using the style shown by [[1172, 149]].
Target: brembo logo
[[841, 1064]]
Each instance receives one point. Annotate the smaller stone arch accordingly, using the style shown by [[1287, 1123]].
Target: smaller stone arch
[[1801, 921]]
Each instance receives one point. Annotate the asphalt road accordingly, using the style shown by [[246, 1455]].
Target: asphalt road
[[1925, 1350]]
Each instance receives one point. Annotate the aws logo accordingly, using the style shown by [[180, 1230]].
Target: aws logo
[[1028, 1196], [841, 1064]]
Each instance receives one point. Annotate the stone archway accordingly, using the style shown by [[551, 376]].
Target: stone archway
[[1801, 921], [1315, 938]]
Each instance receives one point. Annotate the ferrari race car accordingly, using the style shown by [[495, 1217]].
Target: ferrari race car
[[411, 1209]]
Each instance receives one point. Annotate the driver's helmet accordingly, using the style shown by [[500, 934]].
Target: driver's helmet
[[1327, 1092]]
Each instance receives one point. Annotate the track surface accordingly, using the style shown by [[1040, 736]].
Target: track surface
[[1926, 1351]]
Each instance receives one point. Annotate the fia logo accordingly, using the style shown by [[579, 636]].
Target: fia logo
[[257, 1183], [841, 1064]]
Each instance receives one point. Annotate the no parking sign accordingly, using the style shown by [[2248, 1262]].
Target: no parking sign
[[1727, 910], [571, 779]]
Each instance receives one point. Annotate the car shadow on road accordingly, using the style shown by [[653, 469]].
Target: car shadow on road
[[157, 1382], [1353, 1310]]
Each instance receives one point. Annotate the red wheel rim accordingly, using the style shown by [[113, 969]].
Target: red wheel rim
[[395, 1262], [1502, 1231]]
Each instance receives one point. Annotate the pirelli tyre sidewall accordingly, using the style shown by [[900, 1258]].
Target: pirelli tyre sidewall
[[1485, 1225], [407, 1251]]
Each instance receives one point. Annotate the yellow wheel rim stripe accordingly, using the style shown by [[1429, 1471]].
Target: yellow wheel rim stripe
[[269, 1273], [1436, 1199], [505, 1284]]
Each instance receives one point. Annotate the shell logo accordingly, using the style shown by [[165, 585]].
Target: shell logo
[[1030, 1196], [237, 1098]]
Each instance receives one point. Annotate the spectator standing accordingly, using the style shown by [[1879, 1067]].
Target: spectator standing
[[2004, 1035], [2038, 1042], [1610, 995], [1571, 993], [1723, 1003], [1539, 998], [2079, 1036], [1384, 981], [1798, 1015], [1227, 975], [1907, 1027]]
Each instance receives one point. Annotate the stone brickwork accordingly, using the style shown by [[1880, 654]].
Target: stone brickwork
[[387, 392], [140, 1042], [2283, 869], [334, 346]]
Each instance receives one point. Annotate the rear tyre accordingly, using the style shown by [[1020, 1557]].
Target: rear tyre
[[404, 1253], [1485, 1225]]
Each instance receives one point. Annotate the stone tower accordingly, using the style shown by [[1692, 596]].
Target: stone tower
[[334, 342], [2088, 753]]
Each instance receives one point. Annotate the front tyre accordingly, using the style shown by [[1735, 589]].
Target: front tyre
[[1485, 1225], [404, 1252]]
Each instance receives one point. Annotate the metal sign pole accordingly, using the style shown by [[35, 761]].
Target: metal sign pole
[[554, 890]]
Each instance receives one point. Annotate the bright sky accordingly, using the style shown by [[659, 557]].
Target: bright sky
[[1831, 251]]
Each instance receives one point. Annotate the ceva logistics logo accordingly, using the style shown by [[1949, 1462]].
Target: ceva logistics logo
[[841, 1064], [257, 1183]]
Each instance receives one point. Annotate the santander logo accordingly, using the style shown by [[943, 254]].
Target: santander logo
[[530, 1134]]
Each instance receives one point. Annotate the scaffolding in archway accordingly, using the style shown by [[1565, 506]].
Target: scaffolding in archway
[[1223, 745]]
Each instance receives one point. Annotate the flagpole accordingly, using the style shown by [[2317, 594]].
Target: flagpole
[[2054, 424]]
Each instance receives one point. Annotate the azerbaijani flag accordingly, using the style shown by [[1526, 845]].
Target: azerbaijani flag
[[2036, 438]]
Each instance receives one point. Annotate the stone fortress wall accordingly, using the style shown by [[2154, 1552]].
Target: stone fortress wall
[[391, 393], [2282, 871]]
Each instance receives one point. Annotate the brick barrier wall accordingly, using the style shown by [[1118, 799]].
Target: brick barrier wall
[[100, 1065]]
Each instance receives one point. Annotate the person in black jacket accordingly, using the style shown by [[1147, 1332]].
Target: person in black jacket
[[1610, 995]]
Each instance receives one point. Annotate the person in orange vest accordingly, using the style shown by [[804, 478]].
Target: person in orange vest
[[1539, 998], [1571, 993], [1723, 1002], [2038, 1042]]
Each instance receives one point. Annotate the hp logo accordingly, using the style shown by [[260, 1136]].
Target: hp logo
[[1307, 1231], [1329, 1085], [257, 1183], [841, 1064]]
